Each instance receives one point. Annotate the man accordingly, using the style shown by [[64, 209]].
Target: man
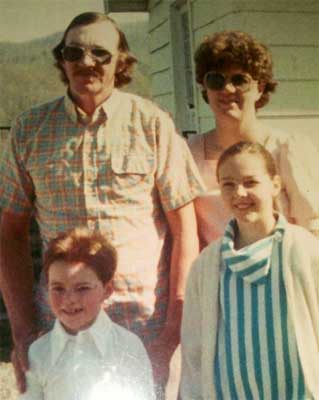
[[110, 161]]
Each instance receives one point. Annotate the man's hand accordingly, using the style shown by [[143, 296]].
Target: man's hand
[[160, 352], [19, 358], [161, 349]]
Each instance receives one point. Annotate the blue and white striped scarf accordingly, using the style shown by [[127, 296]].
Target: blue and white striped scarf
[[252, 262]]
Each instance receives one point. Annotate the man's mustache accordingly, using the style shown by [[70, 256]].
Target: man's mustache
[[87, 72]]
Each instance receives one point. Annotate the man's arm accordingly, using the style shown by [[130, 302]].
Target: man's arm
[[16, 284], [182, 223]]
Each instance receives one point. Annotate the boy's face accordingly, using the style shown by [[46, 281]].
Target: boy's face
[[75, 294]]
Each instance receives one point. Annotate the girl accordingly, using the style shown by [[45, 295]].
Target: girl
[[253, 295]]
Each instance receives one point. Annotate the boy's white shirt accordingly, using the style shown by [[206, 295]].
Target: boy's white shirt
[[105, 357], [201, 313]]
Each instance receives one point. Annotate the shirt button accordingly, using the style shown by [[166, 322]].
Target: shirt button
[[278, 236], [90, 176]]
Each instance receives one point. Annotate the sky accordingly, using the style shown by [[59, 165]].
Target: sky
[[29, 19]]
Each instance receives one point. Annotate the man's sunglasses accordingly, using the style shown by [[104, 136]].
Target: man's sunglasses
[[76, 53], [216, 81]]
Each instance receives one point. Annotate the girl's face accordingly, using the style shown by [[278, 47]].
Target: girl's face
[[232, 100], [247, 188], [75, 294]]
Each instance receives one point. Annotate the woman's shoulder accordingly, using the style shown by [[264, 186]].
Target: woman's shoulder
[[275, 138], [297, 150], [283, 141]]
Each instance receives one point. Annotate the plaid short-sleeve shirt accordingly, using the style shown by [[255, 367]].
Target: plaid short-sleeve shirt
[[117, 172]]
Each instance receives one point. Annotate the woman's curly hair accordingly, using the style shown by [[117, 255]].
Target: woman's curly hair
[[126, 60], [235, 48]]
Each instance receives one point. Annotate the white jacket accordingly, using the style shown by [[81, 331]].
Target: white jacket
[[201, 313]]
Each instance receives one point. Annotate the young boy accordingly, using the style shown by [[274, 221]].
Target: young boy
[[85, 356]]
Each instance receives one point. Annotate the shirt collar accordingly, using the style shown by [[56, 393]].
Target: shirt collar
[[280, 227], [99, 331], [107, 108], [251, 263]]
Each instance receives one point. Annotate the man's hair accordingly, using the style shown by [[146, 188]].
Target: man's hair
[[249, 148], [125, 62], [85, 246], [235, 48]]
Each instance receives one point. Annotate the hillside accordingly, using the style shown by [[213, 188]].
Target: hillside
[[27, 75]]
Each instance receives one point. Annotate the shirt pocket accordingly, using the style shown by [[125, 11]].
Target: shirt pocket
[[132, 164], [132, 178]]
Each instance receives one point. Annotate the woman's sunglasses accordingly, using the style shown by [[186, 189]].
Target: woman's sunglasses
[[76, 53], [216, 81]]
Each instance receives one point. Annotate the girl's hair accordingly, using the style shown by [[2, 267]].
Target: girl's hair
[[83, 245], [249, 148], [235, 48]]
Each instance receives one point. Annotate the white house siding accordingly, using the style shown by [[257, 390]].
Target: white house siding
[[291, 31], [161, 54]]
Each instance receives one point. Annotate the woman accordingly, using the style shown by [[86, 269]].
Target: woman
[[235, 73]]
